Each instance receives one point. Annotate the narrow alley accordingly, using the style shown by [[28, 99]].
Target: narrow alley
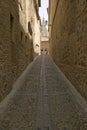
[[43, 99], [43, 64]]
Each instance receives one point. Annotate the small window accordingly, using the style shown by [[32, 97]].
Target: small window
[[21, 36], [25, 39], [12, 27], [29, 28]]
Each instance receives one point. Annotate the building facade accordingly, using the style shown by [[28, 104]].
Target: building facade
[[35, 25], [16, 40], [30, 19], [44, 37], [68, 39]]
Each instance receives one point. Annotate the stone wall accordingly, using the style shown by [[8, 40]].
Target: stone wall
[[68, 40], [36, 28], [16, 47], [36, 38]]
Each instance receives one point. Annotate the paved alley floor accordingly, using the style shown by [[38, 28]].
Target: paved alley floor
[[43, 99]]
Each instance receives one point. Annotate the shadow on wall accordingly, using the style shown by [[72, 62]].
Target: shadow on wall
[[16, 48], [68, 44]]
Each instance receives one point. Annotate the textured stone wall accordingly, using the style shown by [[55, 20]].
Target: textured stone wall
[[16, 48], [36, 38], [68, 41]]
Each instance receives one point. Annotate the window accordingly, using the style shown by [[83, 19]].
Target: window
[[21, 36], [25, 39], [29, 28], [12, 27]]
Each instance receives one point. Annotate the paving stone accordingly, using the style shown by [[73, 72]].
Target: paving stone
[[43, 99]]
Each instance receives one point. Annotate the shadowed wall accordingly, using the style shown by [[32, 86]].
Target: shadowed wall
[[68, 40]]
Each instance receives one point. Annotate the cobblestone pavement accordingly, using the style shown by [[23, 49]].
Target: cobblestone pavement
[[43, 99]]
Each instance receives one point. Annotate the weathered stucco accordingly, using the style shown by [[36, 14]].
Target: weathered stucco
[[68, 40]]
